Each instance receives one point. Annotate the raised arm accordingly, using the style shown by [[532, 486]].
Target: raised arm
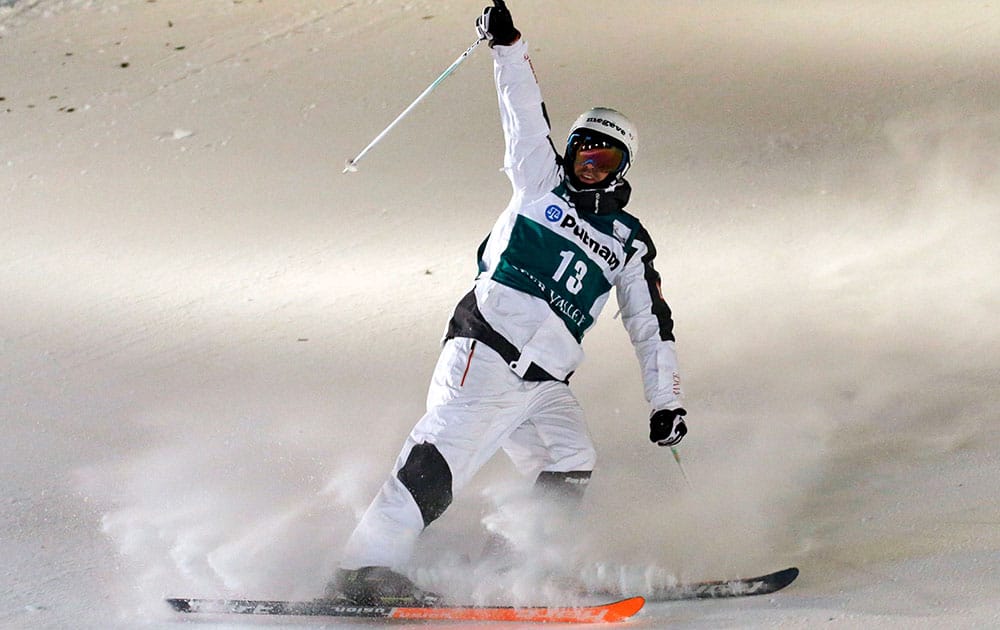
[[530, 159]]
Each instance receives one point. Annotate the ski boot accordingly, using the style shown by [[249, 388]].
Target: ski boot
[[378, 586]]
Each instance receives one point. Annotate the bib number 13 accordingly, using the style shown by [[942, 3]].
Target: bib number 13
[[574, 283]]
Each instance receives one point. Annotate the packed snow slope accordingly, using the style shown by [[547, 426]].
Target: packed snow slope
[[214, 342]]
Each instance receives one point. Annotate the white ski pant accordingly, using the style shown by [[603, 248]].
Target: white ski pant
[[475, 406]]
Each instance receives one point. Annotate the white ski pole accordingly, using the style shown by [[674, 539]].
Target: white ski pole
[[352, 165]]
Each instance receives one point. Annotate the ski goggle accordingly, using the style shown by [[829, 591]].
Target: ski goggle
[[598, 153], [605, 160]]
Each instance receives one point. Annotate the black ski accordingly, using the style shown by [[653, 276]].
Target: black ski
[[715, 589]]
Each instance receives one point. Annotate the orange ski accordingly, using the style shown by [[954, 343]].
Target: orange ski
[[601, 613]]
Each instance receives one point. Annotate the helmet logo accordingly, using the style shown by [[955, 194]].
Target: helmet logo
[[608, 123]]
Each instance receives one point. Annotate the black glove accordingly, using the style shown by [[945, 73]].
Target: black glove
[[496, 25], [666, 426]]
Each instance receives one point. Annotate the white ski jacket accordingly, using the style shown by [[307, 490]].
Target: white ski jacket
[[546, 271]]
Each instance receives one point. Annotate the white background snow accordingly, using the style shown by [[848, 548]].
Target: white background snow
[[213, 342]]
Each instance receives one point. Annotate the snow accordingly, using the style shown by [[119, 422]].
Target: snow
[[214, 342]]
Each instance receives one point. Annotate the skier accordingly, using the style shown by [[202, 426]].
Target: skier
[[545, 273]]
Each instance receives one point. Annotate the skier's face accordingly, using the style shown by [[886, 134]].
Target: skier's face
[[593, 165]]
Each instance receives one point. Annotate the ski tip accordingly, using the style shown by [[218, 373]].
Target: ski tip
[[350, 167], [786, 576], [621, 610]]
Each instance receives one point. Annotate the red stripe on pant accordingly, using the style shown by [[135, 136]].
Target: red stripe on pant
[[468, 363]]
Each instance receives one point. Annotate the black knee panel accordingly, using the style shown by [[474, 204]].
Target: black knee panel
[[563, 486], [428, 478]]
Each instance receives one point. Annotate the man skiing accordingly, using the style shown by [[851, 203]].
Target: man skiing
[[545, 273]]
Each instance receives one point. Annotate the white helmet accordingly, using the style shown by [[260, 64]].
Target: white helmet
[[604, 123]]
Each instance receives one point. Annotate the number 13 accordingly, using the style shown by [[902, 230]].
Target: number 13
[[573, 283]]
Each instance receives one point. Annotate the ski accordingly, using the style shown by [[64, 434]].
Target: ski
[[715, 589], [602, 613]]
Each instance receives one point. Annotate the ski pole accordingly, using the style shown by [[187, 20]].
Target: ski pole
[[352, 164], [677, 458]]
